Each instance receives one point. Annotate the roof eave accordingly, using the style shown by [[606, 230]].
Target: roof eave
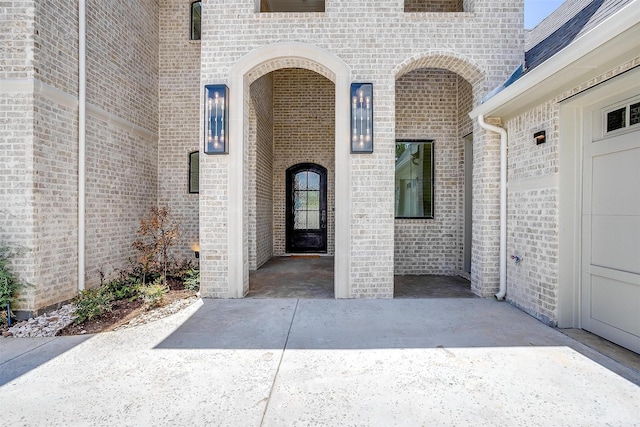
[[613, 42]]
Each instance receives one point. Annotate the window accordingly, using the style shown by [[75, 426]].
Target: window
[[196, 15], [622, 116], [194, 172], [433, 6], [291, 6], [414, 179]]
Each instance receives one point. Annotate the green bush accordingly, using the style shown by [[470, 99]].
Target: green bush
[[191, 281], [92, 303], [125, 288], [153, 294], [9, 283]]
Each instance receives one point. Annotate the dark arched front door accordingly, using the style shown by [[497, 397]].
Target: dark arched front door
[[306, 208]]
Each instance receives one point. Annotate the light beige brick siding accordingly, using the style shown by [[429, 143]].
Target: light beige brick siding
[[122, 88], [391, 44], [179, 119]]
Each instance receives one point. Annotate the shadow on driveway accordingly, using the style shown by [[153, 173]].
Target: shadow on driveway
[[21, 355]]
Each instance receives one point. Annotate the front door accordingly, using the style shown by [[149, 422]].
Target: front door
[[306, 209]]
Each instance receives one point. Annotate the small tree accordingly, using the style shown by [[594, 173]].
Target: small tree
[[156, 235]]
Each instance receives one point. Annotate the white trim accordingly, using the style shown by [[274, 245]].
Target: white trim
[[35, 86], [82, 140], [535, 183], [613, 42], [121, 123], [238, 268]]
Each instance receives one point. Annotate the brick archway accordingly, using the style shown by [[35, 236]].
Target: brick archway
[[247, 70]]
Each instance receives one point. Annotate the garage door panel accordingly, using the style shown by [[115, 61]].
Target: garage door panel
[[616, 304], [610, 240], [614, 177], [615, 242]]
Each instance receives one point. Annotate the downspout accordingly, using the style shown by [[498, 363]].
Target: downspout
[[82, 110], [503, 203]]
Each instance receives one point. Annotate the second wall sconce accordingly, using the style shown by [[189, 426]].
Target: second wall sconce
[[216, 119], [362, 117]]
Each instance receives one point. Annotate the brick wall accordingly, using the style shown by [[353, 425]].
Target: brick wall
[[458, 42], [16, 186], [179, 117], [122, 153], [17, 21], [121, 178]]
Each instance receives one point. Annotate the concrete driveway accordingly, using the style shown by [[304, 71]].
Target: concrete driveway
[[277, 362]]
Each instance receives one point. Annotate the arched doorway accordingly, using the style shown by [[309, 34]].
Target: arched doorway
[[248, 70], [306, 209]]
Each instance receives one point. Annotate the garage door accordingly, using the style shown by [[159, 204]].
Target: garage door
[[611, 225]]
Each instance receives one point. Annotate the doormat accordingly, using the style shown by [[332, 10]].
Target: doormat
[[304, 256]]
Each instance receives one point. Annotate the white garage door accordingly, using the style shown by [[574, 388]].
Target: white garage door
[[611, 225]]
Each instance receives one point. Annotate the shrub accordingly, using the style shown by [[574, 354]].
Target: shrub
[[124, 288], [92, 303], [153, 294], [192, 279], [9, 283]]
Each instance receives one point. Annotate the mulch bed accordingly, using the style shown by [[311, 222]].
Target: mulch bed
[[124, 311]]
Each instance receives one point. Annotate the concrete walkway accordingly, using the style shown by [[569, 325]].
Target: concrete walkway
[[277, 362]]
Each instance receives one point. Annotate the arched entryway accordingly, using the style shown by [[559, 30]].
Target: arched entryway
[[257, 67], [433, 170]]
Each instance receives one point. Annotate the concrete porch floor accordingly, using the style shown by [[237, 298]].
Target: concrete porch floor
[[312, 277], [274, 362]]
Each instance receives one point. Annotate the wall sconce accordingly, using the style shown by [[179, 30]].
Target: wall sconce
[[540, 137], [196, 249], [361, 117], [216, 119]]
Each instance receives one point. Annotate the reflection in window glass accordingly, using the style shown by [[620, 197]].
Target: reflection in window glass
[[196, 20], [616, 119], [194, 172], [306, 201], [414, 179], [634, 114]]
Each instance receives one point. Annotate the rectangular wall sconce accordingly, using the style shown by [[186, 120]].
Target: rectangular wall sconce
[[216, 119], [361, 117], [540, 137]]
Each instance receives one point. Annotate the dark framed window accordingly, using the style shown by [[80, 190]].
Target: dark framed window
[[291, 6], [194, 172], [414, 179], [196, 20]]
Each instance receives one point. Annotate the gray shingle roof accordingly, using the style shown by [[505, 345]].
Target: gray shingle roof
[[584, 20]]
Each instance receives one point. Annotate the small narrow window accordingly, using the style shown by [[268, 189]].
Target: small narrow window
[[291, 6], [194, 172], [196, 15], [414, 179], [616, 119], [634, 114]]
